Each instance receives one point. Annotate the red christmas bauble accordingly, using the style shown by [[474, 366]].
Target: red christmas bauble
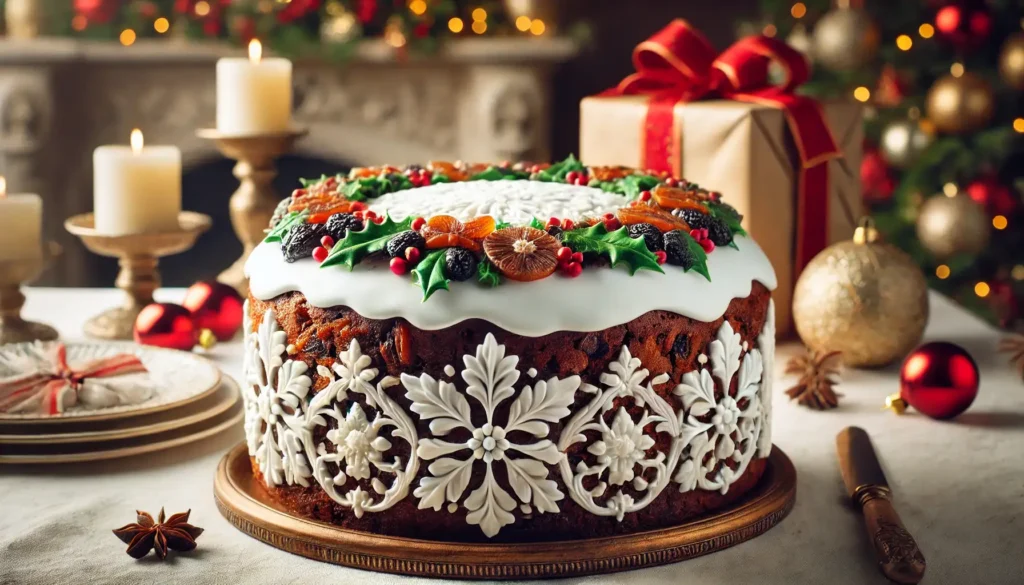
[[100, 11], [215, 306], [996, 198], [877, 183], [939, 379], [964, 27], [166, 325]]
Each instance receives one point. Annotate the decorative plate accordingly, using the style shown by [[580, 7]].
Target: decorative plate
[[173, 378]]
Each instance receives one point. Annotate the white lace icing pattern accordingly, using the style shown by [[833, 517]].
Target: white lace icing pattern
[[599, 450]]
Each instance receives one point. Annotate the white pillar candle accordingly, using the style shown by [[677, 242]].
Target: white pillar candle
[[254, 95], [21, 225], [136, 189]]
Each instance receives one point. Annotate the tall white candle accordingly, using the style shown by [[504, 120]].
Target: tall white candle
[[21, 225], [254, 95], [136, 189]]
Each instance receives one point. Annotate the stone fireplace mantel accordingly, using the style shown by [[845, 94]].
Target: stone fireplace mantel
[[476, 99]]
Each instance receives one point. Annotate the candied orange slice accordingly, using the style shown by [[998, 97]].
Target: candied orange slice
[[447, 169], [610, 173], [365, 172], [523, 253], [659, 218], [675, 198], [444, 231]]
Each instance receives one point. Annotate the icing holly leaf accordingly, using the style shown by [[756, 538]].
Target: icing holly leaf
[[632, 185], [617, 245], [358, 245], [558, 171], [429, 273], [700, 257], [487, 274], [729, 215], [282, 228]]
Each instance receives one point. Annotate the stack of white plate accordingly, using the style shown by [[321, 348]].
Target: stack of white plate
[[190, 401]]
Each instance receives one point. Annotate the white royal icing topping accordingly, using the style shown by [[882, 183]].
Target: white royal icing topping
[[711, 437], [512, 201]]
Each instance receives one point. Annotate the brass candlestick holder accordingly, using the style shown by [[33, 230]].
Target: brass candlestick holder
[[253, 204], [13, 274], [138, 255]]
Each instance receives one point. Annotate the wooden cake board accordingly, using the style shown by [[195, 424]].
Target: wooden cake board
[[246, 504]]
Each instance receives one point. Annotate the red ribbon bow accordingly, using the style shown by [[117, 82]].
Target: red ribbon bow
[[678, 64], [49, 389]]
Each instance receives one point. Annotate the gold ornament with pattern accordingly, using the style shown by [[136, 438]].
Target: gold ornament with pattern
[[958, 105], [864, 298]]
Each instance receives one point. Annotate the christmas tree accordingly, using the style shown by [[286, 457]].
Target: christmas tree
[[943, 166]]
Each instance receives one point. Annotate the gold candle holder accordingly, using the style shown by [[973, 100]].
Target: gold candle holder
[[13, 274], [253, 203], [138, 255]]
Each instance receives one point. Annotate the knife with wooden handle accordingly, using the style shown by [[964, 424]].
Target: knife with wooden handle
[[898, 556]]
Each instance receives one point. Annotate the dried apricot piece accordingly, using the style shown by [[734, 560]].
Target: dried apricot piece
[[675, 198], [445, 231], [610, 173], [447, 169], [659, 218], [523, 253]]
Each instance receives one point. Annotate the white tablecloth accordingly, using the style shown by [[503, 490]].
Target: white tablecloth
[[959, 487]]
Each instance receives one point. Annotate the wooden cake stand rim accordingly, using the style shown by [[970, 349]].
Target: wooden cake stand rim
[[247, 506]]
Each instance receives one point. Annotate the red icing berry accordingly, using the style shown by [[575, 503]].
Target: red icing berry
[[331, 182], [564, 254], [568, 224], [662, 256], [319, 254], [701, 235], [572, 269], [612, 224], [412, 255], [577, 257], [571, 176], [298, 192], [327, 242], [609, 216], [357, 206], [418, 224], [553, 222], [708, 246], [645, 196], [670, 182], [399, 266]]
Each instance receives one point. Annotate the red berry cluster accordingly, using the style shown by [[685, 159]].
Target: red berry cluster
[[611, 223], [419, 177], [577, 178], [417, 224], [644, 196], [321, 251], [569, 263], [703, 239], [365, 214], [401, 265], [564, 224]]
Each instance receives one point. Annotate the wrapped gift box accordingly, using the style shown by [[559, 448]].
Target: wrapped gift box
[[747, 152]]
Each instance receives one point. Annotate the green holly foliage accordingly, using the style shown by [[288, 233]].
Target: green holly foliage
[[358, 245], [617, 246], [729, 215], [429, 273], [284, 226], [700, 263], [558, 171], [487, 273], [632, 185]]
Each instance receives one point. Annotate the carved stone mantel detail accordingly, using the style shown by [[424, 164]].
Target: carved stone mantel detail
[[477, 99]]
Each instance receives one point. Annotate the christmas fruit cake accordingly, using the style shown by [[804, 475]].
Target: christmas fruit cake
[[507, 353]]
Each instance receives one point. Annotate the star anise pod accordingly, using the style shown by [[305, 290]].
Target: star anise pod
[[819, 374], [175, 533], [1014, 345]]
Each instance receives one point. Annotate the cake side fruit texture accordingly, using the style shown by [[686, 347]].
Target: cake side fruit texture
[[560, 407]]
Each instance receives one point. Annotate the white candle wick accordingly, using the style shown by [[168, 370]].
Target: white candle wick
[[3, 187], [136, 141], [255, 50]]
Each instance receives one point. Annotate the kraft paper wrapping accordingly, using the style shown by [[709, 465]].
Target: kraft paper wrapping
[[744, 151]]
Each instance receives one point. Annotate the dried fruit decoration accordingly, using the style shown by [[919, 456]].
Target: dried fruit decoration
[[444, 231], [659, 218], [675, 198], [523, 253]]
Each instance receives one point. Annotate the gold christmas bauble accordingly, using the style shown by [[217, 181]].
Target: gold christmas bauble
[[845, 38], [962, 104], [800, 40], [340, 26], [903, 141], [1011, 61], [952, 225], [864, 298]]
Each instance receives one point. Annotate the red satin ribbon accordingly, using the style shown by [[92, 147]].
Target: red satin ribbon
[[677, 64], [49, 386]]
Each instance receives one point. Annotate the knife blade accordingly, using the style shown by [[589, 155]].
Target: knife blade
[[899, 558]]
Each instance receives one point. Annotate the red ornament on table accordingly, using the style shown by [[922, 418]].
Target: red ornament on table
[[996, 198], [171, 326], [965, 26], [939, 379], [215, 306], [877, 184]]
